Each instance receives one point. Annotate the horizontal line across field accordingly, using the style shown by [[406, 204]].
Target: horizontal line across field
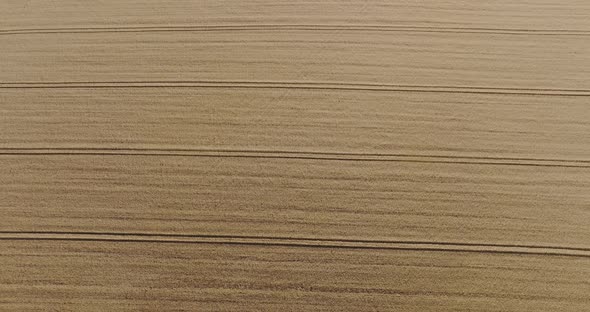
[[302, 155], [296, 85], [297, 242], [300, 27]]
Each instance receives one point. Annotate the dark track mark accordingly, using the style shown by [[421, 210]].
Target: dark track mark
[[296, 158], [285, 152], [298, 245], [298, 239], [298, 85], [309, 27]]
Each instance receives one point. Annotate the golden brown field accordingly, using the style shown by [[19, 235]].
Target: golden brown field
[[281, 155]]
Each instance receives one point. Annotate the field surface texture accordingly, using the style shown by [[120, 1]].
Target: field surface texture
[[274, 155]]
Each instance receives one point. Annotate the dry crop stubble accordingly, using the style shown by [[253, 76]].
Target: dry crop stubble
[[294, 155]]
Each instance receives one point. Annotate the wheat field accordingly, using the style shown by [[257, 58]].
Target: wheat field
[[272, 155]]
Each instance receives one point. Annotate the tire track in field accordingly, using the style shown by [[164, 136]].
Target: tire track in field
[[298, 85], [296, 155], [298, 27], [324, 243]]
